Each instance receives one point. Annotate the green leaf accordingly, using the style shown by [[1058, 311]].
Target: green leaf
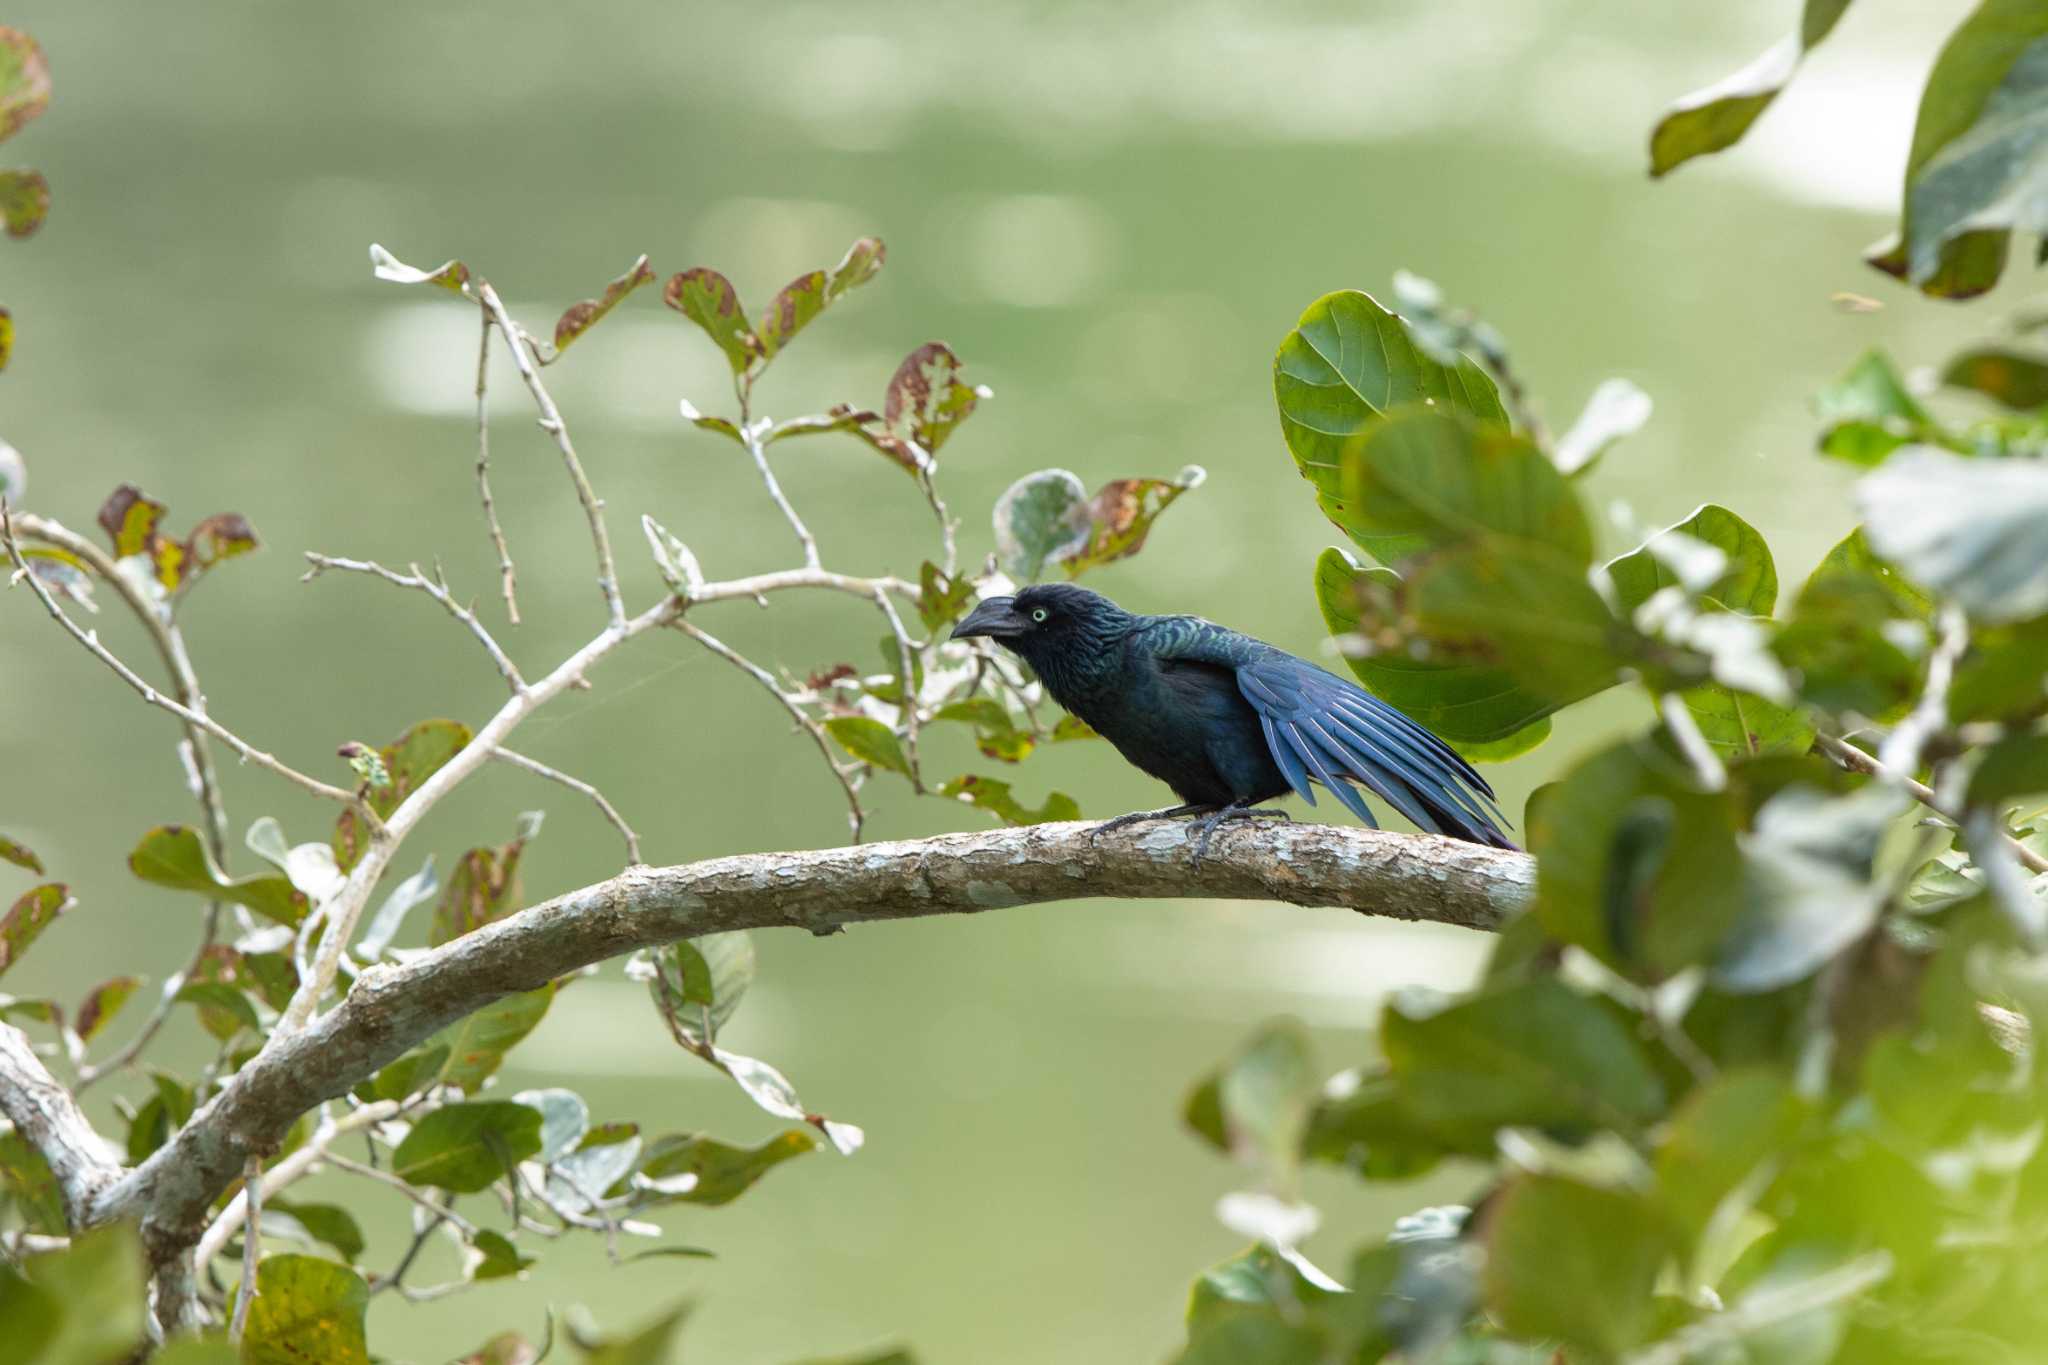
[[1748, 585], [1869, 413], [699, 981], [579, 318], [1807, 883], [926, 400], [1724, 1132], [24, 81], [329, 1223], [463, 1148], [223, 998], [129, 518], [691, 1169], [1369, 1128], [1263, 1099], [810, 293], [870, 741], [1120, 516], [1572, 1261], [1526, 610], [20, 855], [986, 793], [1530, 1054], [31, 1186], [28, 917], [2015, 766], [2017, 381], [941, 600], [407, 762], [33, 1316], [173, 856], [1967, 529], [1977, 160], [24, 201], [306, 1308], [1437, 479], [98, 1284], [212, 1349], [410, 1074], [651, 1345], [500, 1259], [1716, 117], [450, 275], [1470, 703], [1835, 644], [707, 298], [2003, 675], [1347, 362], [484, 886], [1036, 522], [1633, 861], [478, 1043]]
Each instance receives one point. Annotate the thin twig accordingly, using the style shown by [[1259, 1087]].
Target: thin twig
[[760, 585], [436, 588], [90, 639], [292, 1167], [907, 686], [252, 1247], [507, 575], [1901, 749], [419, 1239], [750, 436], [855, 816], [611, 813], [947, 526], [383, 1177], [551, 422], [1855, 759]]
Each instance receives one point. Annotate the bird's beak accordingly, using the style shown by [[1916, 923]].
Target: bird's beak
[[995, 617]]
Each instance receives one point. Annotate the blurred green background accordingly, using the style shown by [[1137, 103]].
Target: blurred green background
[[1112, 213]]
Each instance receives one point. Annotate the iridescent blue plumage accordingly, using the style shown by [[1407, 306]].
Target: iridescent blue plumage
[[1228, 721]]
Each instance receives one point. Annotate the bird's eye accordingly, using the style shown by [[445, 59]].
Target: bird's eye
[[1039, 614]]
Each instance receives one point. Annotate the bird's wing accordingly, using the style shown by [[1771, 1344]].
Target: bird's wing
[[1322, 728]]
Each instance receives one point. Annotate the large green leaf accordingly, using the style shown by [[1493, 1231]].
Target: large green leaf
[[1979, 161], [97, 1286], [1719, 1137], [1438, 478], [1573, 1261], [463, 1148], [1530, 1054], [1716, 117], [1836, 644], [1527, 610], [1348, 362], [707, 298], [1464, 701], [1257, 1106], [1748, 585], [306, 1308], [174, 856], [1634, 861], [692, 1169]]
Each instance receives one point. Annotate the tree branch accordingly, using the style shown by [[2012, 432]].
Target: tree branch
[[394, 1007], [436, 588], [508, 577], [49, 1120], [610, 812]]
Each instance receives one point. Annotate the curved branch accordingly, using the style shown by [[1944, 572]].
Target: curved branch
[[49, 1120], [394, 1007]]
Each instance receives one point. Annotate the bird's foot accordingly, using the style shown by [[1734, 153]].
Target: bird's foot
[[1205, 828], [1139, 817]]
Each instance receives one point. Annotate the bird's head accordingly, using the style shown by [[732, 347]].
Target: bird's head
[[1046, 619]]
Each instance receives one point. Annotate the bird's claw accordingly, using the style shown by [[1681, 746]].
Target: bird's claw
[[1206, 826]]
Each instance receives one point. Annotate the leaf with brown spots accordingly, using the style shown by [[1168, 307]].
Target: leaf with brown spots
[[986, 793], [840, 417], [581, 317], [306, 1308], [407, 761], [29, 916], [484, 886], [220, 536], [6, 337], [102, 1003], [22, 856], [24, 80], [708, 299], [1120, 516], [926, 399], [24, 201], [130, 519]]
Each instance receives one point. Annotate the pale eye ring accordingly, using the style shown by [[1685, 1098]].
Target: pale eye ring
[[1039, 614]]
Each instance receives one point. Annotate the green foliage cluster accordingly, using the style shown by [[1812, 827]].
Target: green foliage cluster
[[1757, 1078]]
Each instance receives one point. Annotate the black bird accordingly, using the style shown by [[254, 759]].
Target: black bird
[[1228, 721]]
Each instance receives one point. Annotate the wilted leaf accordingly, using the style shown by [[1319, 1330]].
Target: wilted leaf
[[2018, 381], [691, 1169], [1345, 365], [993, 796], [24, 201], [1972, 173], [839, 417], [306, 1308], [477, 1043], [1440, 479], [1617, 409], [1120, 516], [463, 1148], [1716, 117], [1572, 1261], [707, 298], [174, 856], [450, 275], [24, 81], [870, 741], [926, 399], [130, 520], [484, 886], [28, 917], [20, 855], [221, 536], [581, 317], [1968, 529]]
